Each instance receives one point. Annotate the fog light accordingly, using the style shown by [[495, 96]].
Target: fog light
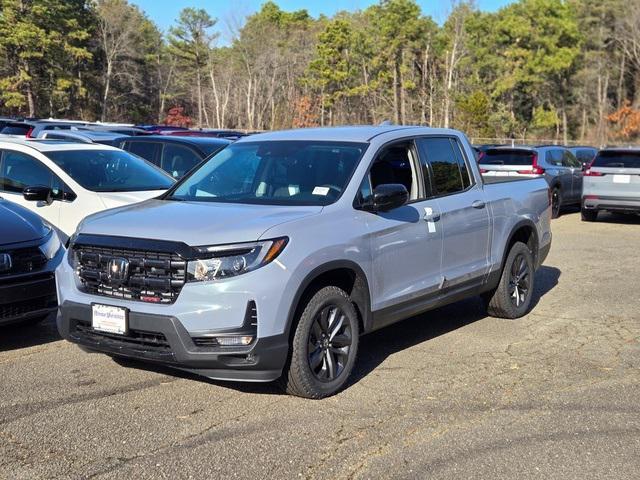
[[234, 341]]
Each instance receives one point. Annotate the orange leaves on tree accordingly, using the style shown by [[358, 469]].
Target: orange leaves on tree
[[626, 121], [177, 118], [305, 113]]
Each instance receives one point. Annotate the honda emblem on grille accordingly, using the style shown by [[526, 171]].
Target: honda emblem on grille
[[117, 271], [5, 262]]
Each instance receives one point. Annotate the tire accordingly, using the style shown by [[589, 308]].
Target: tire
[[556, 202], [589, 215], [324, 347], [518, 278]]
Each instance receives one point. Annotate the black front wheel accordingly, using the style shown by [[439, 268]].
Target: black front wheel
[[324, 346]]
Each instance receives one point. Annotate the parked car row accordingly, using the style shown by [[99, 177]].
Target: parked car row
[[597, 180]]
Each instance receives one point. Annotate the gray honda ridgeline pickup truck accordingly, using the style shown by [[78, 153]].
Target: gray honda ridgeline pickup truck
[[270, 260]]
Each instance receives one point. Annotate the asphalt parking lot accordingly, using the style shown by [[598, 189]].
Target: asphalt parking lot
[[449, 394]]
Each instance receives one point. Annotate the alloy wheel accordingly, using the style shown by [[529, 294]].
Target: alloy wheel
[[329, 343], [519, 280]]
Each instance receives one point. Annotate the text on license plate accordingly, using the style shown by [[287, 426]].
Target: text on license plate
[[107, 318]]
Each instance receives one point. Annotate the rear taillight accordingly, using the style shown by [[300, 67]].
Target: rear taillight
[[483, 170], [590, 197], [29, 132], [590, 173], [535, 169]]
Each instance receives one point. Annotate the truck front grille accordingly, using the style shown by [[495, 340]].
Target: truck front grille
[[24, 260], [155, 277]]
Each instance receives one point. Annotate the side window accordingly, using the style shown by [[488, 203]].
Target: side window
[[396, 163], [18, 171], [554, 157], [585, 156], [178, 160], [464, 169], [449, 171], [568, 160], [146, 150]]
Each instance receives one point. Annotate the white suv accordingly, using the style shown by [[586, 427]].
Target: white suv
[[63, 182]]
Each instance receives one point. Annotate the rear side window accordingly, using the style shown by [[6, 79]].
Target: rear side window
[[617, 160], [178, 160], [147, 150], [449, 172], [554, 157], [585, 155], [507, 157], [568, 160]]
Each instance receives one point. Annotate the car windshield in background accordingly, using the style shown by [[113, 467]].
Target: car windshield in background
[[110, 170], [507, 157], [617, 160], [274, 173]]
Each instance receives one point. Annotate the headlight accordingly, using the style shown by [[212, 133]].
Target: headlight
[[51, 246], [224, 261]]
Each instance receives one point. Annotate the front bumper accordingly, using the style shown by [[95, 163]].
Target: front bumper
[[614, 204], [162, 339]]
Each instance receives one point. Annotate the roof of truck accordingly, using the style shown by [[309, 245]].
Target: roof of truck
[[357, 133]]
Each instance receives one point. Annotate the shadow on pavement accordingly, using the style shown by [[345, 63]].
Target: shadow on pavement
[[377, 346], [15, 336]]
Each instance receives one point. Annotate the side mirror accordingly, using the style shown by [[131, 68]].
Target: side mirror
[[388, 196], [38, 193]]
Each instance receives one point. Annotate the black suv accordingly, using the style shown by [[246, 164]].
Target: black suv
[[30, 251]]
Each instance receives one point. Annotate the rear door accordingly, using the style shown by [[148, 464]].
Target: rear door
[[464, 216], [574, 165], [554, 158]]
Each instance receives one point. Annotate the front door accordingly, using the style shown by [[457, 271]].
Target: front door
[[406, 243], [18, 171]]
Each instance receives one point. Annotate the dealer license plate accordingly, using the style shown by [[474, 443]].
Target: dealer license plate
[[107, 318]]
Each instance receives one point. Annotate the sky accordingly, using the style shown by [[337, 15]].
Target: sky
[[230, 13]]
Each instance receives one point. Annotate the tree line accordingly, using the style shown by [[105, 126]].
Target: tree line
[[554, 69]]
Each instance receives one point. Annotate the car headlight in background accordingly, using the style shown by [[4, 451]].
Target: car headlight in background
[[51, 246], [224, 261]]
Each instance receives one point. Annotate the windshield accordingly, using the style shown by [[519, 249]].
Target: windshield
[[617, 160], [309, 173], [507, 157], [110, 170]]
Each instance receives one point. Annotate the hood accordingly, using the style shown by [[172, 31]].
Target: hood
[[194, 223], [119, 199], [17, 224]]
